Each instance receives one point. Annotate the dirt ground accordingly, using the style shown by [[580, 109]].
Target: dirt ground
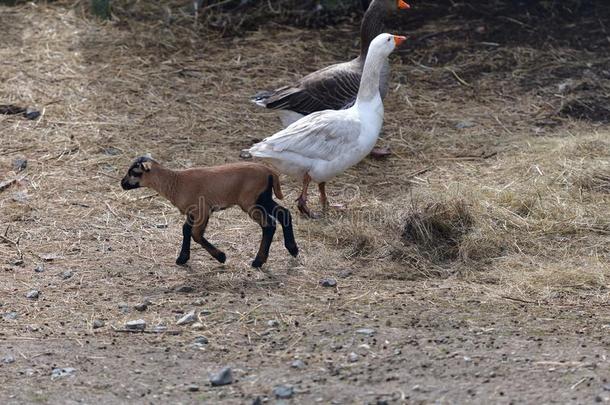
[[475, 256]]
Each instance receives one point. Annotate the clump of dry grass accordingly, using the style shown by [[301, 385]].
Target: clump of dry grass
[[594, 180], [437, 229]]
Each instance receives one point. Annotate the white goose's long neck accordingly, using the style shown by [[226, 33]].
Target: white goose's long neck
[[369, 82]]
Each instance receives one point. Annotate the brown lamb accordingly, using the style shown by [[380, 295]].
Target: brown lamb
[[198, 192]]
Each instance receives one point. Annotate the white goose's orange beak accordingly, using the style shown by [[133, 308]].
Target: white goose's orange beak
[[399, 39], [403, 5]]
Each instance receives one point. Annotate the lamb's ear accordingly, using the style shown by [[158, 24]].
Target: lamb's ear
[[146, 166]]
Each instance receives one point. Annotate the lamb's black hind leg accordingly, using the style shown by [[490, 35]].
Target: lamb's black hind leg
[[185, 251], [282, 215]]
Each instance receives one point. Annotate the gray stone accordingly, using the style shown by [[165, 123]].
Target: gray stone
[[464, 124], [31, 113], [365, 331], [224, 377], [97, 323], [298, 363], [20, 196], [63, 372], [143, 306], [201, 340], [197, 326], [283, 391], [111, 151], [138, 324], [67, 274], [123, 307], [10, 316], [345, 273], [192, 388], [33, 294], [352, 357], [328, 282], [185, 289], [160, 328], [8, 359], [39, 268], [273, 323], [20, 165], [189, 317]]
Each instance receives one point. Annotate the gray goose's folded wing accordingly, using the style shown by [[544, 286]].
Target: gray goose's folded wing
[[331, 88]]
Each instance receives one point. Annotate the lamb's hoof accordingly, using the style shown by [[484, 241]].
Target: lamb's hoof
[[257, 263], [293, 250], [221, 257], [181, 260]]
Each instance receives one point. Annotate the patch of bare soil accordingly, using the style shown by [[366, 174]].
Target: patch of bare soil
[[471, 264]]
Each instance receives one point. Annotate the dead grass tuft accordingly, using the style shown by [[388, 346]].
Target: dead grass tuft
[[437, 229]]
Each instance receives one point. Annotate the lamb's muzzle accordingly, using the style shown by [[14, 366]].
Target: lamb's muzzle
[[198, 192]]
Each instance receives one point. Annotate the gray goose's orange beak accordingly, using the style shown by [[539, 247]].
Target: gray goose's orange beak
[[403, 5]]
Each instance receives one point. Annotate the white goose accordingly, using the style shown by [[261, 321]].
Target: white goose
[[326, 143]]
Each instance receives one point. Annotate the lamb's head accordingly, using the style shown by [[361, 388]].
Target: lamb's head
[[137, 173]]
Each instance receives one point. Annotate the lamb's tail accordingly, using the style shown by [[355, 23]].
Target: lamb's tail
[[274, 181]]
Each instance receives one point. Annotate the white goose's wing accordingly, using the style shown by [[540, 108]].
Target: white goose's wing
[[322, 135]]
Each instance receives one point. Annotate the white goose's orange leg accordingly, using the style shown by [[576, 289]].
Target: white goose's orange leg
[[302, 200], [323, 199]]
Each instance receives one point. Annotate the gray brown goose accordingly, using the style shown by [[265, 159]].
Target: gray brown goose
[[334, 87]]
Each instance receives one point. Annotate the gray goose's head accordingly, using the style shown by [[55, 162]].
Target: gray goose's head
[[373, 21]]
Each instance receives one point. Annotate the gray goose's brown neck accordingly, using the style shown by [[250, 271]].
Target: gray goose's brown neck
[[371, 26]]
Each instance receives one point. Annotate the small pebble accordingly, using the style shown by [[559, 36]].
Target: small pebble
[[111, 151], [20, 165], [283, 391], [189, 317], [328, 282], [97, 323], [160, 328], [464, 124], [39, 268], [32, 294], [345, 273], [365, 331], [352, 357], [20, 196], [31, 113], [33, 327], [138, 324], [273, 323], [197, 326], [67, 274], [192, 388], [62, 372], [10, 316], [201, 340], [199, 301], [141, 306], [298, 363], [123, 307], [185, 289], [224, 377], [8, 359]]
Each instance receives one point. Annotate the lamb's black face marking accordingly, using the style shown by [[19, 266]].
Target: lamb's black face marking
[[134, 174]]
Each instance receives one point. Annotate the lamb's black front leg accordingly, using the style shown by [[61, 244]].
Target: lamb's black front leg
[[185, 251]]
